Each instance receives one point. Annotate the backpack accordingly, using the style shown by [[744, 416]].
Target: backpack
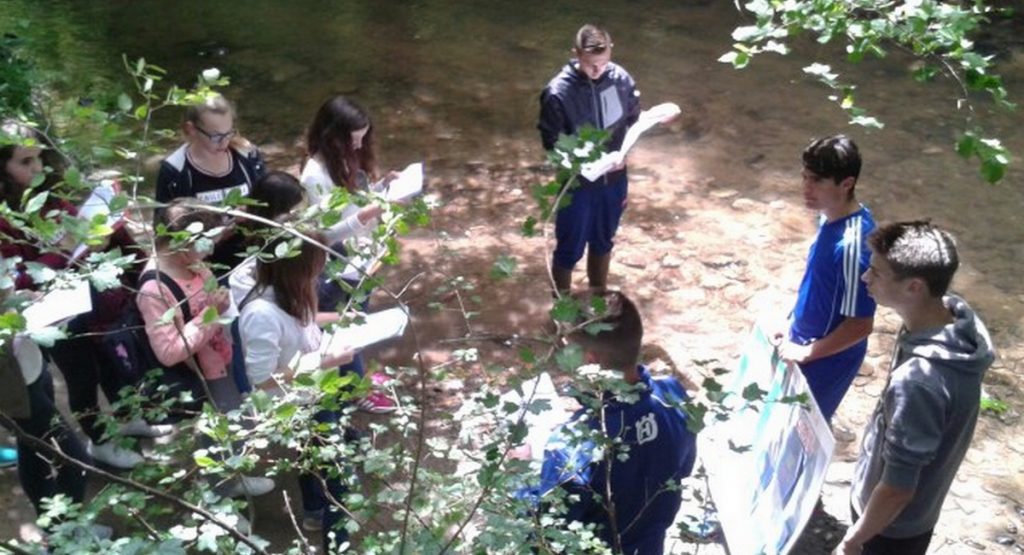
[[127, 346]]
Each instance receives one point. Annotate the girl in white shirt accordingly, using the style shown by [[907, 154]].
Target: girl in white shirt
[[278, 323], [280, 336]]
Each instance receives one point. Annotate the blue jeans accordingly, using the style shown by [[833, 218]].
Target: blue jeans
[[590, 221], [313, 498], [38, 477]]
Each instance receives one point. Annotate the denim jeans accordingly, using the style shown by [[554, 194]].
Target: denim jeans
[[313, 497]]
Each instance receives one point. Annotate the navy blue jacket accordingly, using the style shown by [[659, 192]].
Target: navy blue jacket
[[571, 100], [661, 451]]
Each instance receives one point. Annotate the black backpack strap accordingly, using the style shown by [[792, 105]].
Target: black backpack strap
[[169, 282]]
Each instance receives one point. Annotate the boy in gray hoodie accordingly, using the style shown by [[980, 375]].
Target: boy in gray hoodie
[[925, 418]]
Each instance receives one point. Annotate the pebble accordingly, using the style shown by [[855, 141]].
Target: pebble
[[671, 261], [724, 193], [744, 204], [973, 544], [1011, 528], [1005, 540]]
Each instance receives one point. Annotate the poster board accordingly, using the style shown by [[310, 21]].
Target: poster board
[[766, 464]]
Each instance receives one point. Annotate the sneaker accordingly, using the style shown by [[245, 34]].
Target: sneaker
[[246, 486], [377, 403], [111, 454], [313, 521], [8, 457], [141, 428]]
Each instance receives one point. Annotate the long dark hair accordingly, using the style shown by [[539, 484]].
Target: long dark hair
[[330, 137], [294, 279], [14, 131]]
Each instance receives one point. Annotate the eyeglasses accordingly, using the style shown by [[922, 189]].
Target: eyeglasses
[[217, 137]]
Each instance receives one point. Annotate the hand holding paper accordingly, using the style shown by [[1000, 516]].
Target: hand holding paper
[[661, 113], [407, 184]]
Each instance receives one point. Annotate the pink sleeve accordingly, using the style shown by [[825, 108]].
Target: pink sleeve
[[168, 344]]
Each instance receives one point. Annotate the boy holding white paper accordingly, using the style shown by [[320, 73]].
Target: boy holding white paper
[[589, 90]]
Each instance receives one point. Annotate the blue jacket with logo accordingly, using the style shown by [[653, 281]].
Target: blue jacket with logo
[[661, 452], [571, 100]]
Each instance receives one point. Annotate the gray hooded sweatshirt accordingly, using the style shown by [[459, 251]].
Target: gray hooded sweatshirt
[[925, 419]]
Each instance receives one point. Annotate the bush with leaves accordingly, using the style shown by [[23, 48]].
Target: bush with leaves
[[938, 33]]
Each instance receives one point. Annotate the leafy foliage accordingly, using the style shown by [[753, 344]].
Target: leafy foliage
[[937, 32]]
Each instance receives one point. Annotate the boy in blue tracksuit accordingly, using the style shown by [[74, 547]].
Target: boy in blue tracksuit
[[589, 90], [833, 316], [651, 431]]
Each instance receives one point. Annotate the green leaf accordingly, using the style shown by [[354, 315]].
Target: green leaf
[[46, 337], [35, 204], [566, 309], [753, 393], [124, 102], [168, 316], [210, 315], [993, 170], [203, 461], [504, 267], [967, 146]]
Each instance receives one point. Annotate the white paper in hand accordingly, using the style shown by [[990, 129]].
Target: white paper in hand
[[648, 119], [408, 184], [57, 306], [377, 327]]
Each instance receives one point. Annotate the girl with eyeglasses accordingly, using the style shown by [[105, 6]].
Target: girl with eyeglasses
[[214, 160]]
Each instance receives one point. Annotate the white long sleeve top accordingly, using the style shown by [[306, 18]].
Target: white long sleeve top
[[318, 184], [273, 339]]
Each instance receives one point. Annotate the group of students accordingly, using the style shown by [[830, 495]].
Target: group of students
[[914, 443], [922, 427], [197, 259]]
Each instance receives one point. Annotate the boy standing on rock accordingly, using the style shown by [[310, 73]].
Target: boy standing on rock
[[924, 420], [590, 90], [834, 315]]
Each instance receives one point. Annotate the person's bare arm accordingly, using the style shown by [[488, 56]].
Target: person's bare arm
[[847, 334], [885, 504]]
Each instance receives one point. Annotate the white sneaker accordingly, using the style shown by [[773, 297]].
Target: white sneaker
[[141, 428], [245, 486], [111, 454]]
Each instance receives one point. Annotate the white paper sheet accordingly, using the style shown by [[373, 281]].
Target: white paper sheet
[[408, 184], [648, 119], [377, 327], [542, 424], [57, 306]]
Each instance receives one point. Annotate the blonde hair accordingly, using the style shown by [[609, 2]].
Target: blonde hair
[[215, 104]]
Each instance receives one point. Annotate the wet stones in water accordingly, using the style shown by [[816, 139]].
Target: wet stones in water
[[213, 50]]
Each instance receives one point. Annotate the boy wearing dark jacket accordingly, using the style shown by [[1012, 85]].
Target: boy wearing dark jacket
[[590, 90]]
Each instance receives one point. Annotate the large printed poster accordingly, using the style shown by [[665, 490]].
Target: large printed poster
[[767, 462]]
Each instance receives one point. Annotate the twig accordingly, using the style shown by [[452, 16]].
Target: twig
[[295, 525], [13, 549], [42, 446]]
